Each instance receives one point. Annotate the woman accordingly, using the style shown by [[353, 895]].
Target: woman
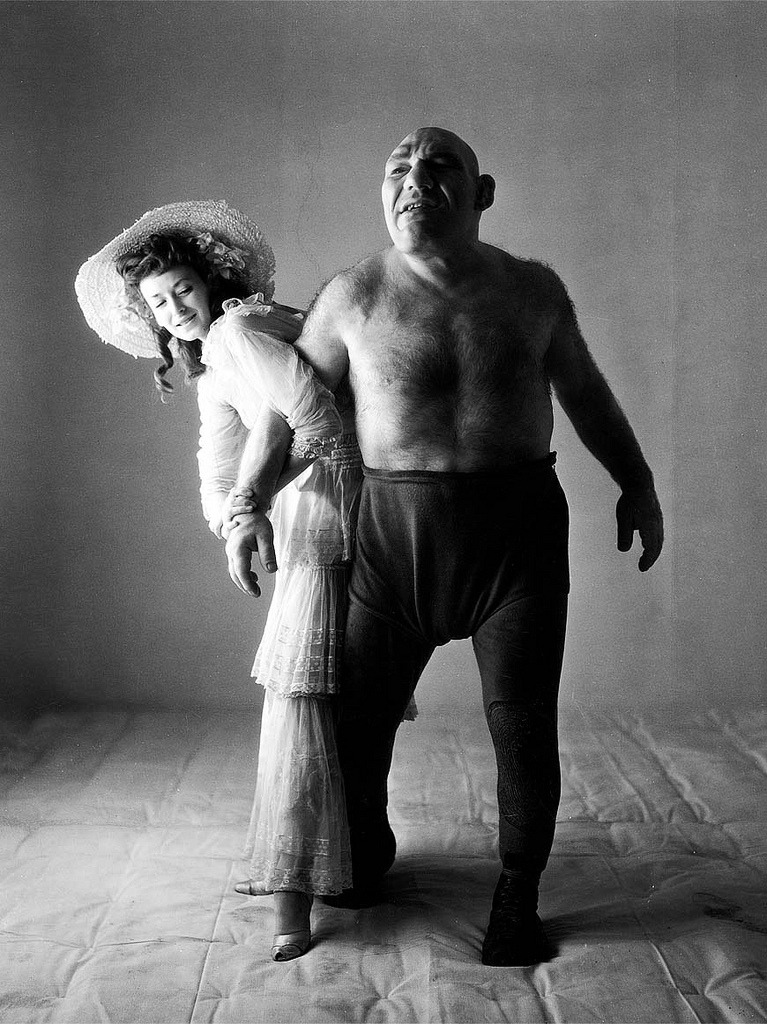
[[193, 281]]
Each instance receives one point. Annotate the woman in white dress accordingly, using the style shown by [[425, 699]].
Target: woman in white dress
[[193, 282]]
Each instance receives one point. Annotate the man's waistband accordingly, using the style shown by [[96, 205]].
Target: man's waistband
[[509, 474]]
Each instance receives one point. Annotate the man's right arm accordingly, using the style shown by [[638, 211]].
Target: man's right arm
[[322, 344]]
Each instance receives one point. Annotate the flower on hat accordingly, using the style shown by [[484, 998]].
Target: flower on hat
[[126, 313], [228, 260]]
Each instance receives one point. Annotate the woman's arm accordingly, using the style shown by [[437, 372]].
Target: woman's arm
[[297, 422], [275, 452], [267, 464], [222, 439], [274, 370]]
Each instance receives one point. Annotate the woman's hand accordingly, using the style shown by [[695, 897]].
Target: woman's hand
[[239, 501]]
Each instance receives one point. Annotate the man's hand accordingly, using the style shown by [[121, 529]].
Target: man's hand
[[640, 510], [252, 533]]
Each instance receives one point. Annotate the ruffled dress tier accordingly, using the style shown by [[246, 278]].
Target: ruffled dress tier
[[298, 834]]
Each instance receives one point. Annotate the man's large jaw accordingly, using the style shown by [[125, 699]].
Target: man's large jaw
[[407, 232], [414, 240], [413, 220]]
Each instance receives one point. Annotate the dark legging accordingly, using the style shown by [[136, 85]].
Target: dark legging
[[446, 556]]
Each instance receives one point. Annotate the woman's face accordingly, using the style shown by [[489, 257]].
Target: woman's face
[[178, 299]]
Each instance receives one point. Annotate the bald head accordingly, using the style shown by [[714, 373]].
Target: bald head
[[433, 194], [439, 138]]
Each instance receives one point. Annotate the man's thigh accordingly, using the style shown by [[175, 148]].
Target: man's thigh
[[380, 666], [519, 651]]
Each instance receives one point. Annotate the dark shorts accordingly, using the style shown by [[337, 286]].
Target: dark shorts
[[440, 554]]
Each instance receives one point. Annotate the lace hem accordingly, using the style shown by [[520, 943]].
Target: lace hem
[[320, 883], [300, 662], [297, 846]]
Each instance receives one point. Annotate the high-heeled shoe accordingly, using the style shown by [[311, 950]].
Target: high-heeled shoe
[[248, 889], [289, 945]]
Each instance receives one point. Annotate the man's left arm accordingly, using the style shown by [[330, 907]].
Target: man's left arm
[[602, 426]]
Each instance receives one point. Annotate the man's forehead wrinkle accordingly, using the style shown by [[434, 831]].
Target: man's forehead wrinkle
[[401, 151], [437, 141]]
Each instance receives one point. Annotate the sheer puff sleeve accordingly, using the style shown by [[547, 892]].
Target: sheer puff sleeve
[[222, 439], [252, 344]]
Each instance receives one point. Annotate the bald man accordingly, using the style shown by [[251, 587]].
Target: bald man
[[449, 349]]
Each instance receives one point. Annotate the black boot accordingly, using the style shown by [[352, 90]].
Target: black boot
[[515, 935]]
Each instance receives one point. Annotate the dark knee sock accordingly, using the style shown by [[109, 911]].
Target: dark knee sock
[[525, 740]]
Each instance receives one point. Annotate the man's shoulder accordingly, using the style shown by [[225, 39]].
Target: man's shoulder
[[528, 268], [531, 277], [355, 287], [368, 271]]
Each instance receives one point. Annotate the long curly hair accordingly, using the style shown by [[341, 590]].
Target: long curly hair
[[157, 255]]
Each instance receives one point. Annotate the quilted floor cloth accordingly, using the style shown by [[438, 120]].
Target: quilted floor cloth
[[121, 836]]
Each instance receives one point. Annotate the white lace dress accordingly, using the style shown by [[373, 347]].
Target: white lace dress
[[298, 835]]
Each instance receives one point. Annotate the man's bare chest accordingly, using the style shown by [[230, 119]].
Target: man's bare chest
[[443, 350]]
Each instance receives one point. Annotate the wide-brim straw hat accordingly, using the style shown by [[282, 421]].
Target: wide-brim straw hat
[[101, 290]]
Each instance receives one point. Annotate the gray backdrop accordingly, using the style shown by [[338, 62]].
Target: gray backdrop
[[627, 143]]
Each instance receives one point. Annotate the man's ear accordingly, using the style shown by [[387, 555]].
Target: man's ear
[[485, 192]]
